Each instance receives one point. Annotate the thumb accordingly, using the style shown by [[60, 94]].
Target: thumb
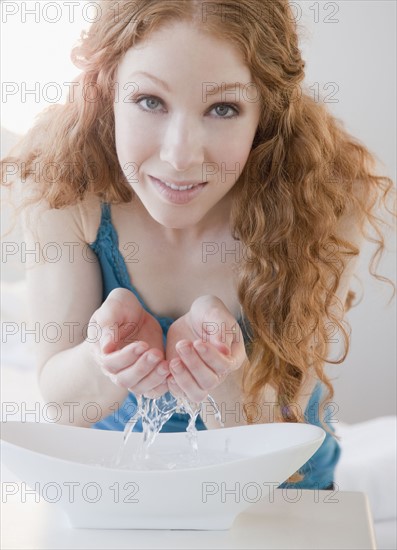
[[222, 347], [106, 342], [225, 335], [214, 321]]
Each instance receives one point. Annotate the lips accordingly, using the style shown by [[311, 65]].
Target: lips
[[182, 185], [174, 196]]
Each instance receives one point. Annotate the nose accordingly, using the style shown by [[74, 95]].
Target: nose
[[182, 145]]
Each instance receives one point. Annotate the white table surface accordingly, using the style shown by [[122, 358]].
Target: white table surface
[[294, 519]]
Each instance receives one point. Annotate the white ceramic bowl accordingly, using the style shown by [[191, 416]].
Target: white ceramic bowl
[[59, 462]]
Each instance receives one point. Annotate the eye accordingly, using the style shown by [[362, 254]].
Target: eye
[[149, 98], [225, 107]]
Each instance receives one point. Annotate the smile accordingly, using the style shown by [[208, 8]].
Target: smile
[[179, 187], [177, 194]]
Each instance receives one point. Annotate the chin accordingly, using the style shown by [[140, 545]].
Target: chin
[[172, 223]]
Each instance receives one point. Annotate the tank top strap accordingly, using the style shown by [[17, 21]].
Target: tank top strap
[[105, 212], [106, 247], [114, 269]]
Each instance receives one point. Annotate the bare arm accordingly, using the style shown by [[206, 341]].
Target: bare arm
[[64, 289]]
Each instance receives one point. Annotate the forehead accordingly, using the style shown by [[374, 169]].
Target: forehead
[[181, 49]]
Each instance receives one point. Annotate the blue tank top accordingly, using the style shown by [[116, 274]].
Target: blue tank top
[[319, 470]]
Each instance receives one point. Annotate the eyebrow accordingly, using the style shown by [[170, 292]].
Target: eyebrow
[[209, 92]]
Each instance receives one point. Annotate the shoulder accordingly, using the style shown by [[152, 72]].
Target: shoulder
[[81, 219], [89, 216]]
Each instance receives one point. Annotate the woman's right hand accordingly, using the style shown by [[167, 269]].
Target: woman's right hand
[[130, 348]]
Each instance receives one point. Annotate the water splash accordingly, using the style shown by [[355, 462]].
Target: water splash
[[155, 413], [218, 416]]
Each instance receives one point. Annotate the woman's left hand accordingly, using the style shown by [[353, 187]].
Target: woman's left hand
[[204, 347]]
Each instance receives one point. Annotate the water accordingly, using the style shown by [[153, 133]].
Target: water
[[218, 416], [155, 413], [174, 459]]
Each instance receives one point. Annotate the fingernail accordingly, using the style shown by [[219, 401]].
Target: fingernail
[[185, 350], [162, 369], [152, 359], [176, 366], [199, 346], [140, 348]]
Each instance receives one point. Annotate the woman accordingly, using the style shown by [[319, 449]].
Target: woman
[[189, 163]]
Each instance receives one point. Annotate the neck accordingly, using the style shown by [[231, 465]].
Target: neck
[[211, 226]]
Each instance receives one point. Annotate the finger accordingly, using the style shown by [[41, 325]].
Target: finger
[[228, 333], [208, 354], [158, 391], [153, 379], [116, 361], [173, 388], [131, 374], [186, 382], [220, 363], [204, 376]]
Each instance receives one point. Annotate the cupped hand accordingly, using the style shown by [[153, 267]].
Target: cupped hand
[[130, 351], [203, 347]]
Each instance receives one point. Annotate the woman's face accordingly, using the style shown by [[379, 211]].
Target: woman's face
[[177, 132]]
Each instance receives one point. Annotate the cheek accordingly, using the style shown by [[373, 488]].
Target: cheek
[[232, 159], [130, 148]]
